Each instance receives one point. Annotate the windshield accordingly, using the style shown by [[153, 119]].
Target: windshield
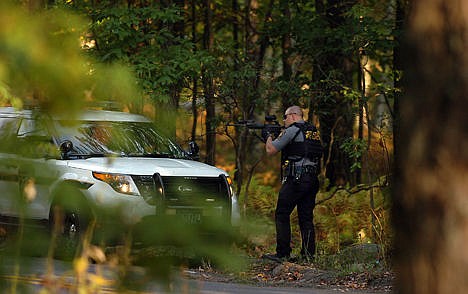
[[102, 138]]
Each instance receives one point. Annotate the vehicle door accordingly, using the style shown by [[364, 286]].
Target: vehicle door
[[9, 182], [36, 170]]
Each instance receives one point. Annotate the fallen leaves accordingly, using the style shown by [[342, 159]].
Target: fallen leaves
[[295, 275]]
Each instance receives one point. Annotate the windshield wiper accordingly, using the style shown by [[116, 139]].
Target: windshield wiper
[[149, 155], [85, 156], [90, 155]]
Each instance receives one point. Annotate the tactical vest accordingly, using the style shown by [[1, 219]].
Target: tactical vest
[[311, 148]]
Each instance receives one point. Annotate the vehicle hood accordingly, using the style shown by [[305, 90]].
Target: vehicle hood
[[147, 166]]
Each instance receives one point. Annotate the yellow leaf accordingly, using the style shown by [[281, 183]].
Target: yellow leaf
[[80, 265], [99, 280]]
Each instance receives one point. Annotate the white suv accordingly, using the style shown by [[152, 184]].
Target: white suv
[[105, 159]]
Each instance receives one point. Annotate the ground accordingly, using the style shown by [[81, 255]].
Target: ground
[[286, 274], [360, 266]]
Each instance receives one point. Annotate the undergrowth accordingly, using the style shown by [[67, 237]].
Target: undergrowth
[[353, 230]]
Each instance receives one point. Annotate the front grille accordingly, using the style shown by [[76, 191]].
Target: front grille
[[193, 191], [145, 185], [183, 191]]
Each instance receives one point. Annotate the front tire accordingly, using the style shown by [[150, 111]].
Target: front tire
[[68, 221]]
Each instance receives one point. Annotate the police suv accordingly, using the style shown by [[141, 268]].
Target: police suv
[[66, 172]]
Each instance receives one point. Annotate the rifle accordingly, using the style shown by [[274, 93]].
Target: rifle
[[270, 126]]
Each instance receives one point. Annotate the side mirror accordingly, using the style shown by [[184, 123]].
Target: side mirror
[[65, 148], [194, 150]]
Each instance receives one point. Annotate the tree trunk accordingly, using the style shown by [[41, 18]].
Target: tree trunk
[[240, 134], [336, 112], [286, 43], [195, 76], [361, 102], [255, 47], [401, 14], [167, 112], [208, 87], [431, 203], [178, 29]]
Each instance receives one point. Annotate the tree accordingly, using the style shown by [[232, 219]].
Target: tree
[[43, 65], [247, 59], [430, 210], [208, 84], [150, 39]]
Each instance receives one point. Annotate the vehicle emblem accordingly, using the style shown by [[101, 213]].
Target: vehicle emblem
[[184, 189]]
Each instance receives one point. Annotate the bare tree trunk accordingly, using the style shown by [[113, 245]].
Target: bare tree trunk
[[179, 31], [255, 47], [334, 116], [242, 134], [208, 87], [401, 14], [195, 77], [287, 99], [167, 112], [362, 87], [431, 203]]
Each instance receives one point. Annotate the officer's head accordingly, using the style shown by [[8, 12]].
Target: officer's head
[[291, 115]]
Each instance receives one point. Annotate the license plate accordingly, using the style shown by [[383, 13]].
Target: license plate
[[190, 217]]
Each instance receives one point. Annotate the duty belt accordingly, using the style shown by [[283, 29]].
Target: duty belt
[[292, 170], [307, 169]]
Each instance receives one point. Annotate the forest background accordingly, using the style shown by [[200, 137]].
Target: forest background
[[212, 63]]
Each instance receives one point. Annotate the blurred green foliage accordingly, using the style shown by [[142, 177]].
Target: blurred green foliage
[[140, 36], [42, 63]]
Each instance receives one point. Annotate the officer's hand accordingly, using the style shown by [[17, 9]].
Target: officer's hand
[[265, 134], [270, 130]]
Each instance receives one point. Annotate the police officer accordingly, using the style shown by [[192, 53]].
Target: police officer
[[301, 150]]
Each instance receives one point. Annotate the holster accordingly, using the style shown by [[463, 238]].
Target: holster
[[296, 172]]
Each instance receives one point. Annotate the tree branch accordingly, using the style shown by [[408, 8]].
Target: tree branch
[[351, 191]]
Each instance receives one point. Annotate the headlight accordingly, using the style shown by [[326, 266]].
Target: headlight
[[229, 181], [120, 183]]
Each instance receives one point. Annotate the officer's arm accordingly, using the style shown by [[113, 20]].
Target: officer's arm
[[270, 149]]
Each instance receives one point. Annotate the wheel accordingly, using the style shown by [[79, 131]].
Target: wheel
[[68, 221]]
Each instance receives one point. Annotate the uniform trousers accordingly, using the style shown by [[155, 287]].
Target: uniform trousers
[[301, 195]]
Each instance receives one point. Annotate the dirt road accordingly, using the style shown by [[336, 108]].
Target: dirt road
[[35, 274]]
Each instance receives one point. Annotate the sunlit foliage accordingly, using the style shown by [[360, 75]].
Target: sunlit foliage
[[42, 63]]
